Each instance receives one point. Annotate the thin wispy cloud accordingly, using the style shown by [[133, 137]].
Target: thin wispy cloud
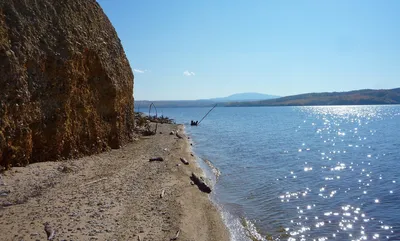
[[139, 71], [188, 73]]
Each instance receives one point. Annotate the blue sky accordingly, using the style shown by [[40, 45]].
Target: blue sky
[[192, 49]]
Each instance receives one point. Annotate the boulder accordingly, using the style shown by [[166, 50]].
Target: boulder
[[66, 84]]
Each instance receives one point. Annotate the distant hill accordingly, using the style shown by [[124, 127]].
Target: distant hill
[[144, 104], [245, 97], [357, 97]]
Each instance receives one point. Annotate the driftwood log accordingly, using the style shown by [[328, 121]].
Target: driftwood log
[[178, 135], [159, 159], [203, 185], [184, 161]]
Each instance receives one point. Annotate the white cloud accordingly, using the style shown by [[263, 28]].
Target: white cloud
[[188, 73], [139, 71]]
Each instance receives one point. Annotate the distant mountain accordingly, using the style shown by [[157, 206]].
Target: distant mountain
[[357, 97], [141, 105], [245, 97]]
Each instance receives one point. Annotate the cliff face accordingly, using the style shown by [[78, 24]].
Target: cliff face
[[66, 87]]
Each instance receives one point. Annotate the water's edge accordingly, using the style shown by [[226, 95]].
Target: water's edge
[[239, 228]]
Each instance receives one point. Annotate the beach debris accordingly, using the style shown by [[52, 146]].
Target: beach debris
[[4, 193], [92, 182], [6, 204], [172, 133], [191, 154], [201, 183], [51, 233], [176, 235], [64, 169], [184, 161], [178, 135], [148, 129], [162, 193], [159, 159]]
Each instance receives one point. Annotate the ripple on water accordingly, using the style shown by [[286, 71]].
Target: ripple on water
[[315, 173]]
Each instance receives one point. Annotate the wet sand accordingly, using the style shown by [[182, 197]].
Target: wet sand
[[112, 196]]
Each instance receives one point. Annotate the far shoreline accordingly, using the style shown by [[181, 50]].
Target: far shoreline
[[355, 97]]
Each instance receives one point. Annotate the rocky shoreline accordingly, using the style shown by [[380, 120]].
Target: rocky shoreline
[[116, 195]]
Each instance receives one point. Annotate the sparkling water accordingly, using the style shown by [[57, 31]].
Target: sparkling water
[[303, 173]]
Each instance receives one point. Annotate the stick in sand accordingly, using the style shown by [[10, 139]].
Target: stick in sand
[[184, 161], [176, 235], [101, 179], [162, 193]]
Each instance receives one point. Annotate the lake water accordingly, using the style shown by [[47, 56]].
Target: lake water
[[303, 173]]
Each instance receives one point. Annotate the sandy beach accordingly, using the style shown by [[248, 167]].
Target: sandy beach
[[114, 195]]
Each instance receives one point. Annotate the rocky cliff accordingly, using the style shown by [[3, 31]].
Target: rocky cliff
[[66, 87]]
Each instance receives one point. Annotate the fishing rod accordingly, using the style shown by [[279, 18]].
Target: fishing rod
[[207, 113]]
